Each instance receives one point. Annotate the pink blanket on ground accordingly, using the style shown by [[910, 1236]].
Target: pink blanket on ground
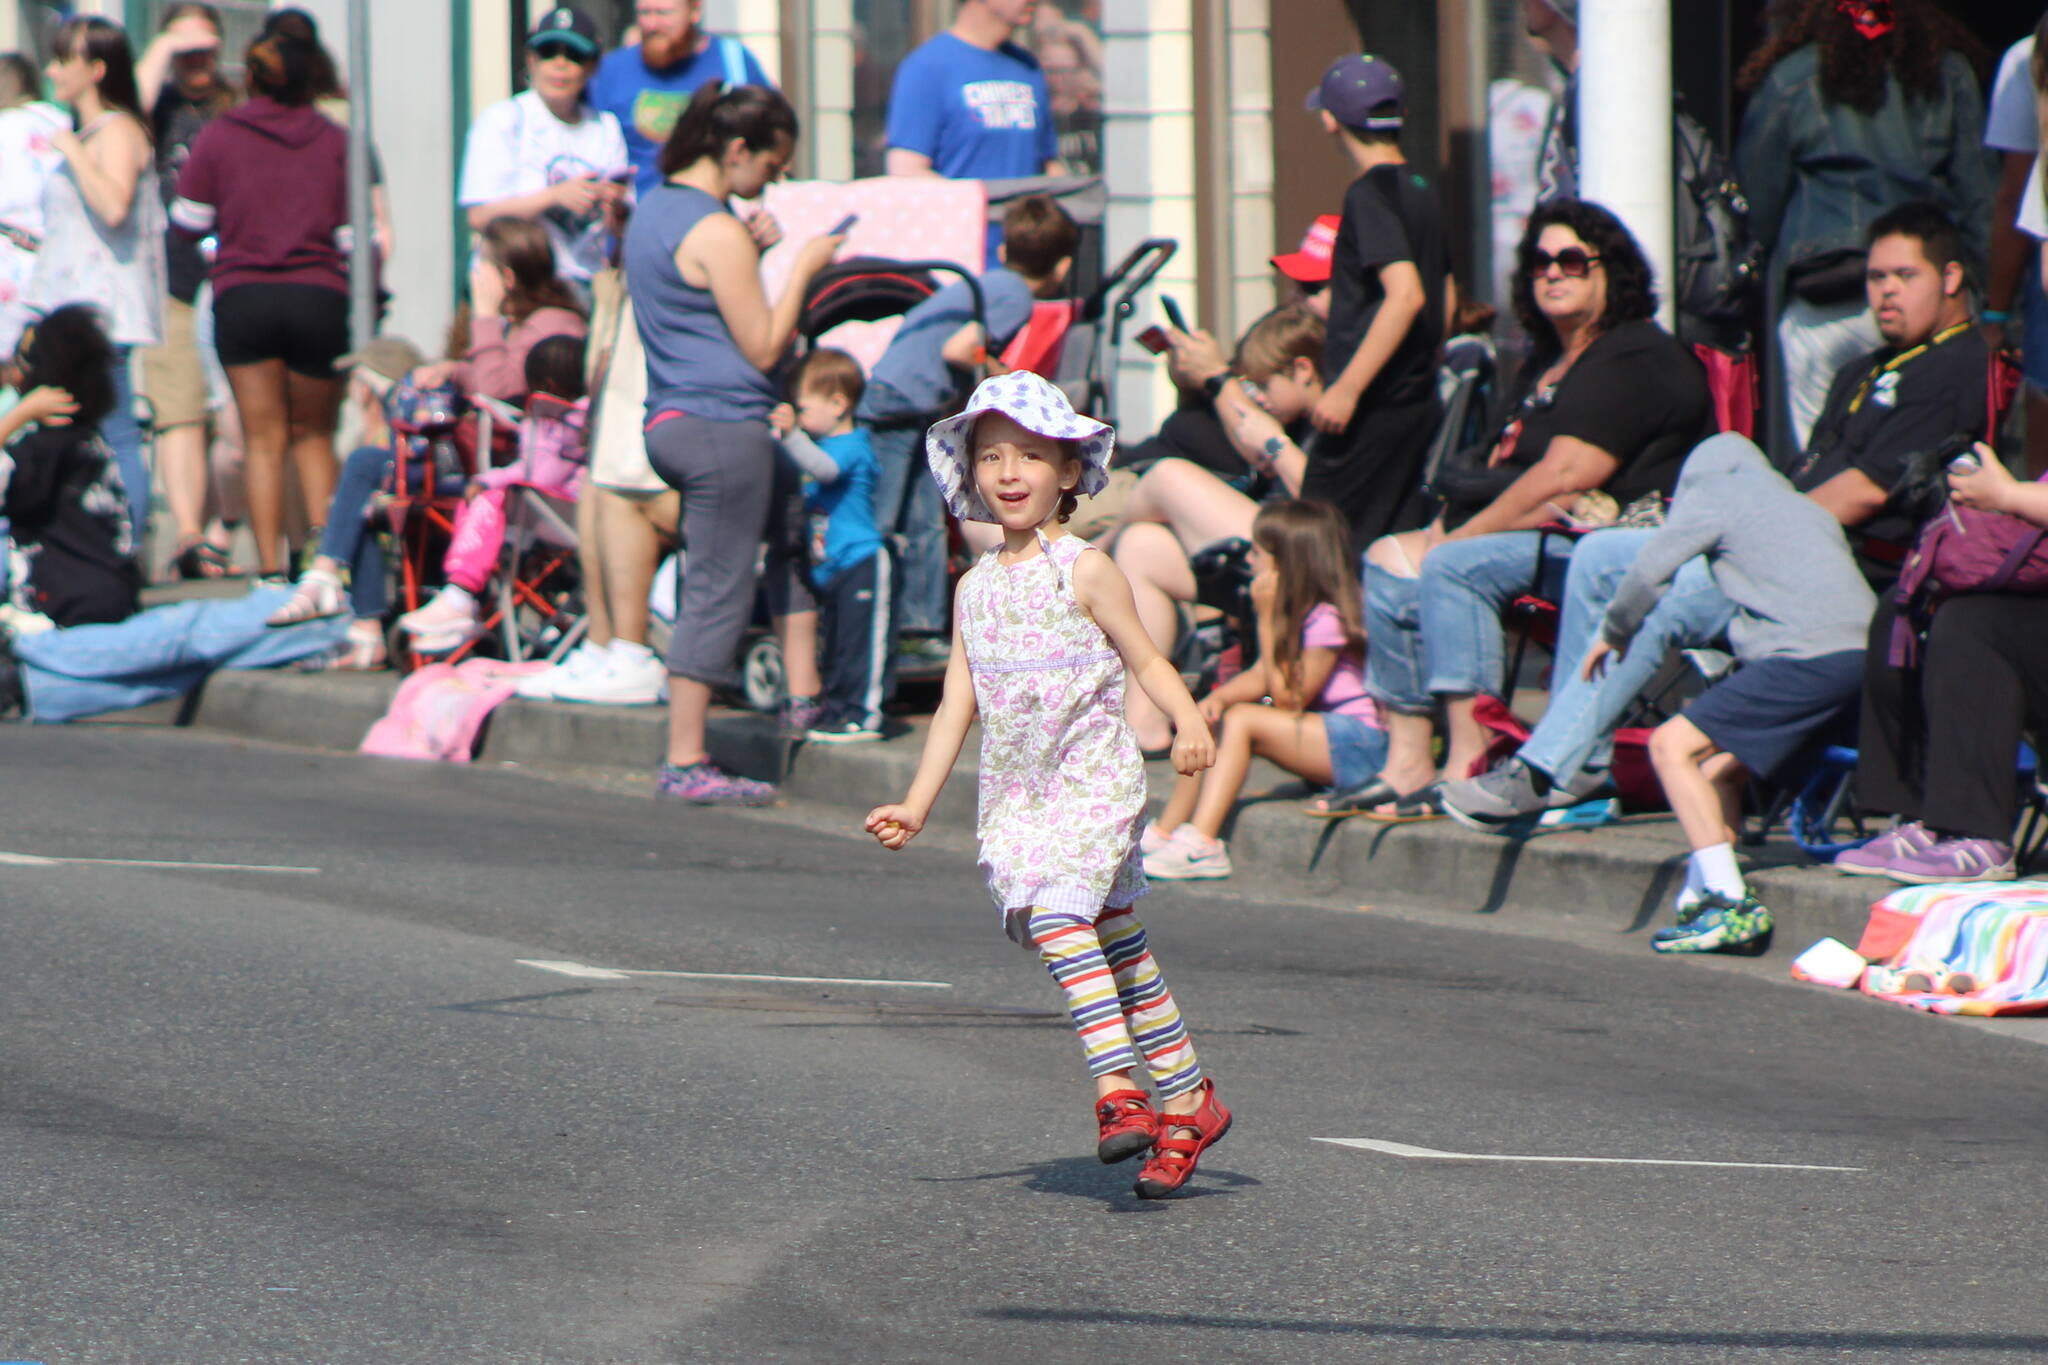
[[441, 709]]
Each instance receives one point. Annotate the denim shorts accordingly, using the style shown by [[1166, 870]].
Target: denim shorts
[[2034, 318], [1357, 750]]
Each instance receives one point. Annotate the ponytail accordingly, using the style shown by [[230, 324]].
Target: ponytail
[[754, 114]]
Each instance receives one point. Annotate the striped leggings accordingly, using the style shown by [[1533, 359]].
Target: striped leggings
[[1118, 1000]]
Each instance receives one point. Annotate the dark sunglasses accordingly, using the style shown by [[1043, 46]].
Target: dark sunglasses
[[1574, 263], [547, 52]]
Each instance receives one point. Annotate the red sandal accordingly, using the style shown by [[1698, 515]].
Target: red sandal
[[1127, 1123], [1174, 1157]]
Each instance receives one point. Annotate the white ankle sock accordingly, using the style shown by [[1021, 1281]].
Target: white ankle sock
[[627, 652], [1715, 865], [1689, 894], [455, 595]]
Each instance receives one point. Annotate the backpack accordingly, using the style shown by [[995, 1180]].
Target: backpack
[[1718, 267]]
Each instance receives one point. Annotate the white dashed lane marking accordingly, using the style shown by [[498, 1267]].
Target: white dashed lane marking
[[1402, 1149]]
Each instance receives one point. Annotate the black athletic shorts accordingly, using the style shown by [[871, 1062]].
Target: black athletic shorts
[[304, 325]]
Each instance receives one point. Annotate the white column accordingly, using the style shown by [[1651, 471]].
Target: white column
[[828, 122], [1253, 289], [1148, 155], [1625, 124]]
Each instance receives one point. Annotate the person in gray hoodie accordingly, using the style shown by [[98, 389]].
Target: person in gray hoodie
[[1802, 609]]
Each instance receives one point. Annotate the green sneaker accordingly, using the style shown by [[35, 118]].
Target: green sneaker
[[1716, 924]]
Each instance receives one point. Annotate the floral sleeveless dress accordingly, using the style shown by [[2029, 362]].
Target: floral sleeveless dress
[[1062, 782]]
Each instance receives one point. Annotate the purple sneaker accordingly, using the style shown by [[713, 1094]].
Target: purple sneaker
[[1875, 859], [1956, 860], [707, 784], [797, 715]]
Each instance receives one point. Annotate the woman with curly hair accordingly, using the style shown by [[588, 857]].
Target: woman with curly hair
[[1602, 415], [1855, 107]]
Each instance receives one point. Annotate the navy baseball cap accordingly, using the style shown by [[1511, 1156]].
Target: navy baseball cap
[[572, 28], [1361, 91]]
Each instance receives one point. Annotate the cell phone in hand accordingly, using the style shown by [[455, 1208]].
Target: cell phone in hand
[[1173, 313], [844, 225], [1155, 340]]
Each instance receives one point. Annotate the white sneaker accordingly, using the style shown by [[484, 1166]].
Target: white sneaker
[[451, 612], [586, 658], [1189, 856], [632, 675]]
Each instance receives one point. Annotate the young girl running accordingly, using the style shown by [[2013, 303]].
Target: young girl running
[[1045, 632], [1318, 724]]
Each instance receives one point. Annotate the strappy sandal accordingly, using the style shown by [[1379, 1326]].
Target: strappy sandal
[[1427, 804], [1344, 805], [1127, 1125], [317, 597], [202, 559], [1174, 1157]]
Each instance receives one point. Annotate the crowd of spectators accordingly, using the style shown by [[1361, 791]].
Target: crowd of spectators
[[204, 226]]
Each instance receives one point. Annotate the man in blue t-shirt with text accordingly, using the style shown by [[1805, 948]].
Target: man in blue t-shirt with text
[[646, 87], [972, 105]]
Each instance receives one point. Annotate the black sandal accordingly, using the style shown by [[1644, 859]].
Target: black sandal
[[201, 559], [1426, 804], [1344, 805]]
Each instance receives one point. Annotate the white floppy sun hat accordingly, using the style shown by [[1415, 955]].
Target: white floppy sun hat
[[1034, 404]]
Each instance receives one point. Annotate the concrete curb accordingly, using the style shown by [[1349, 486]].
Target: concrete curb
[[1619, 878]]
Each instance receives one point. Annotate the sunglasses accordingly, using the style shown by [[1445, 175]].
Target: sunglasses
[[1574, 263], [547, 52]]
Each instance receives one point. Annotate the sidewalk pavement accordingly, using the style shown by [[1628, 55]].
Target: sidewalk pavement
[[1619, 878]]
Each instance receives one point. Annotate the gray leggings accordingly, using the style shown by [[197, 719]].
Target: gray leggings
[[726, 473]]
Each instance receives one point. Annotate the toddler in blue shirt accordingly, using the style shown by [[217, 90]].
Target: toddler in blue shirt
[[850, 565]]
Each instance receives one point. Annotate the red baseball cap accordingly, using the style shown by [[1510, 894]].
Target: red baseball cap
[[1311, 264]]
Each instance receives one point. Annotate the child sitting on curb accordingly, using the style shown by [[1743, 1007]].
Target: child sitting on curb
[[1302, 705], [850, 567], [1802, 608]]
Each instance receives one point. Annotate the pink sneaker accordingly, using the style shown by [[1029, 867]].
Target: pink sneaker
[[1875, 859]]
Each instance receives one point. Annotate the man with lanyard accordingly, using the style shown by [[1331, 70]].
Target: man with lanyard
[[1926, 384], [972, 105], [646, 86]]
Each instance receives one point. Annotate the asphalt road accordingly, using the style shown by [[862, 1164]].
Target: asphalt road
[[329, 1117]]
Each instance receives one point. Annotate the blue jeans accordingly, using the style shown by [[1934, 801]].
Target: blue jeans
[[1441, 634], [160, 653], [347, 538], [1577, 731], [907, 502], [123, 435]]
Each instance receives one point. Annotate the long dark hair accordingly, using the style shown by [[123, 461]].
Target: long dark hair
[[752, 113], [69, 350], [98, 40], [521, 246], [1855, 71], [1631, 288], [1311, 547]]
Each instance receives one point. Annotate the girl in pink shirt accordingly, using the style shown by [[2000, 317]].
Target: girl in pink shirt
[[1303, 704]]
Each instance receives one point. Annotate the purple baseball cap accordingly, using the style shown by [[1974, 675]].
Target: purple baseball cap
[[1361, 91]]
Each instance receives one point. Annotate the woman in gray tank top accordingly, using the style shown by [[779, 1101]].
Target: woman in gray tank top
[[712, 342]]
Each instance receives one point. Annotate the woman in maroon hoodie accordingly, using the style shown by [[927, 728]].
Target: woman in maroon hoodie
[[269, 181]]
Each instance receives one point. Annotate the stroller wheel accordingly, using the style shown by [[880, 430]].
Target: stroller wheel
[[761, 676]]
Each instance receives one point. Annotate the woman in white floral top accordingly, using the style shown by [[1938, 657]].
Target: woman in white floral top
[[1046, 631]]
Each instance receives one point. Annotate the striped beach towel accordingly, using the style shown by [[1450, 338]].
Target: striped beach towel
[[1978, 948]]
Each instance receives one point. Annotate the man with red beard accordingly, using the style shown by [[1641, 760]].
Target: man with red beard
[[645, 87]]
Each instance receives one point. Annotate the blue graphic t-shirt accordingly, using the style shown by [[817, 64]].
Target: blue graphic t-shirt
[[842, 512], [979, 115], [648, 103]]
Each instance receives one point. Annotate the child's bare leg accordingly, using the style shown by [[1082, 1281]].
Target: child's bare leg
[[1296, 741], [1730, 778], [1179, 806], [1160, 576], [1678, 751]]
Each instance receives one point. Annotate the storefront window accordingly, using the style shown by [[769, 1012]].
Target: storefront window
[[1067, 38], [884, 32]]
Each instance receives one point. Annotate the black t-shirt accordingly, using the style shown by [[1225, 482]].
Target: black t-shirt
[[1390, 215], [1637, 393], [69, 526], [1882, 410], [176, 121]]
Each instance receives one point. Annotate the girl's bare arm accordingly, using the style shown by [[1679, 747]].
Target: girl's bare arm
[[895, 825], [1105, 594]]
